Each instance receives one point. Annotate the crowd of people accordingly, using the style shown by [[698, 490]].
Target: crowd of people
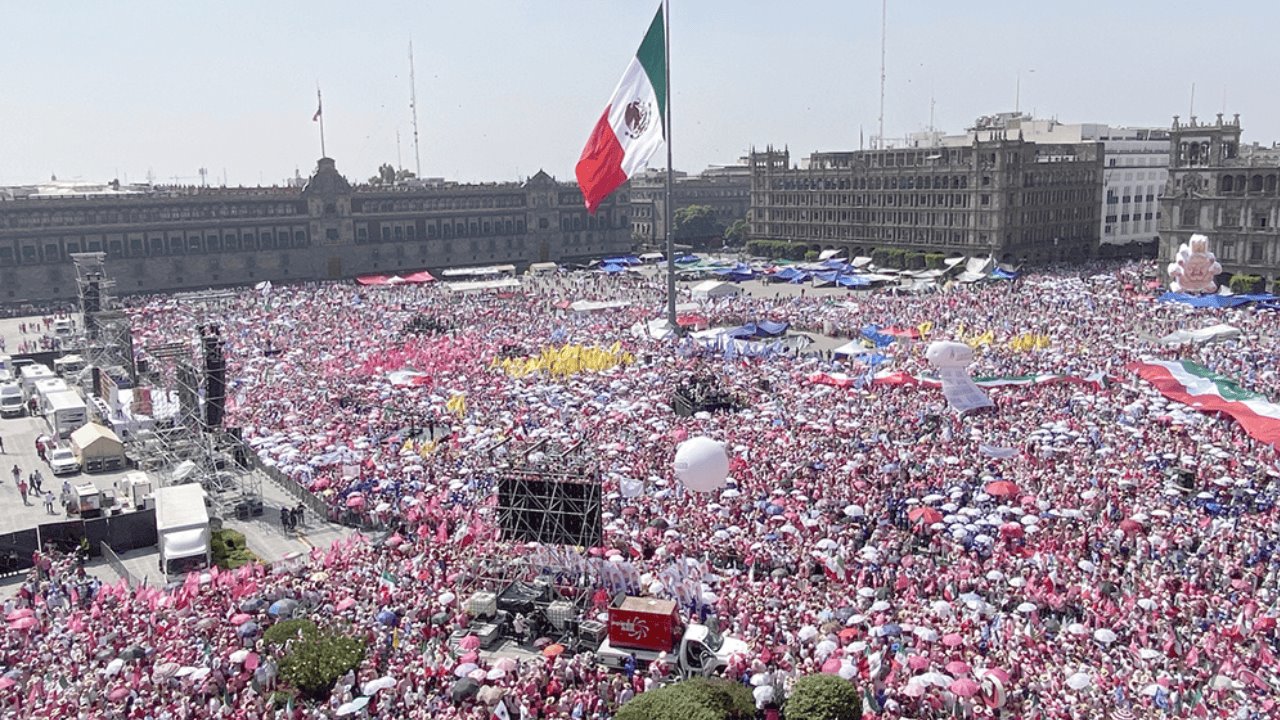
[[1096, 549]]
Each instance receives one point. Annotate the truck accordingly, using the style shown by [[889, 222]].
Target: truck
[[30, 375], [183, 529], [65, 412], [12, 404], [646, 628]]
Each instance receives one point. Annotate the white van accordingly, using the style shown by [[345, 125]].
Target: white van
[[64, 327], [30, 375], [12, 404]]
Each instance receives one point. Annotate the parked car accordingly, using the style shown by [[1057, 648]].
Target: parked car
[[63, 461]]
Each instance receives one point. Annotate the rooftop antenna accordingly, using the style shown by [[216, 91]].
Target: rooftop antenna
[[399, 165], [1192, 108], [884, 21], [413, 106], [931, 104]]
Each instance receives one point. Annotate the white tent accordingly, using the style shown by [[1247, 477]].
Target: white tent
[[852, 348], [715, 289], [1213, 333]]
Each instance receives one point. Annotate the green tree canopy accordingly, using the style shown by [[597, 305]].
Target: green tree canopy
[[696, 223], [823, 697], [693, 699]]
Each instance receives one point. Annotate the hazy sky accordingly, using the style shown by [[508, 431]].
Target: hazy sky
[[90, 90]]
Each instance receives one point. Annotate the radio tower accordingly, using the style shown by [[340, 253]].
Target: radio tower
[[413, 106]]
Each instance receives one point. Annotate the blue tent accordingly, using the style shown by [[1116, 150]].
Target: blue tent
[[687, 259], [839, 266], [1002, 274], [613, 269], [762, 328], [1215, 301], [626, 260], [872, 333], [852, 281], [737, 273], [792, 275]]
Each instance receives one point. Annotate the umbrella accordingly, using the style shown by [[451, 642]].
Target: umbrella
[[924, 516], [831, 666], [353, 707], [282, 607], [252, 605], [114, 666], [387, 617], [247, 629], [345, 604], [936, 678], [382, 683], [957, 667], [491, 694], [495, 674], [1002, 488], [1079, 681], [553, 650], [917, 662], [1077, 629], [465, 669], [807, 633], [464, 689], [118, 693], [470, 642], [1027, 608], [240, 619], [508, 664], [19, 614], [1104, 636], [446, 597], [952, 640], [964, 687], [763, 694], [238, 656], [1131, 526]]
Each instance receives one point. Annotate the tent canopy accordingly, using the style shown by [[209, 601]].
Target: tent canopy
[[715, 289], [96, 441]]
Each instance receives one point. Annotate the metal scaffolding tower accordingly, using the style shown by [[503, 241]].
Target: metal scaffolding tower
[[106, 336]]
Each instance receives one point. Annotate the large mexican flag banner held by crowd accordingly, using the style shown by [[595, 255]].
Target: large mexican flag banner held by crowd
[[1199, 387], [633, 126]]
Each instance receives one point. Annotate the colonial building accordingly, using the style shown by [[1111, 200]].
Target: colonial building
[[1016, 200], [1135, 160], [726, 190], [189, 238], [1226, 191]]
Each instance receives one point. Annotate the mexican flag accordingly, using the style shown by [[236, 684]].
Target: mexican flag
[[632, 127], [1201, 388]]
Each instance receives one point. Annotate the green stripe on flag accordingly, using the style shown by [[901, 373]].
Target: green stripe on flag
[[1229, 389], [653, 58]]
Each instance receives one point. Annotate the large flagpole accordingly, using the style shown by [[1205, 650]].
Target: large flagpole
[[320, 116], [671, 242]]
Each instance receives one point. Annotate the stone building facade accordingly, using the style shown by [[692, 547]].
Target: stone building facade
[[727, 190], [1226, 191], [1018, 201], [192, 238]]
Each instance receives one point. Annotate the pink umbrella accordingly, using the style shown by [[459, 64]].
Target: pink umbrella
[[240, 618], [355, 501], [251, 662], [998, 673], [119, 693], [917, 662], [6, 683], [831, 666], [964, 687], [507, 664], [19, 613], [470, 642], [952, 640], [345, 604], [956, 667]]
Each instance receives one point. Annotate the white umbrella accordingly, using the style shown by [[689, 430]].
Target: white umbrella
[[807, 633], [926, 634], [382, 683], [1148, 653], [1027, 608], [1079, 681], [824, 648], [1077, 629], [763, 694], [854, 511], [353, 707], [759, 680], [1104, 636], [936, 678]]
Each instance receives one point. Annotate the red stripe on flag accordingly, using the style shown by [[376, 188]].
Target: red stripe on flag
[[599, 170], [1260, 427]]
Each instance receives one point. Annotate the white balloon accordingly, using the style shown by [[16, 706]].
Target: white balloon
[[945, 353], [701, 464]]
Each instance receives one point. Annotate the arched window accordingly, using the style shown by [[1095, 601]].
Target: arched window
[[1271, 184], [1255, 184], [1227, 184]]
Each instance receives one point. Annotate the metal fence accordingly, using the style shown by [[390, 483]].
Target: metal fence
[[314, 505], [116, 564]]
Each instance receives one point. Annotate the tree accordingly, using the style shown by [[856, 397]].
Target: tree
[[316, 662], [1245, 284], [696, 224], [693, 699], [823, 697], [736, 233]]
